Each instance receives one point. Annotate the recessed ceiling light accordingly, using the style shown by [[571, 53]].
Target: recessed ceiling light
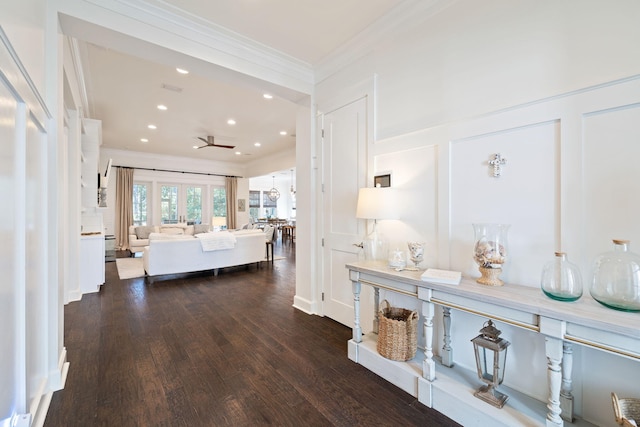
[[144, 140], [182, 71], [231, 122], [152, 127], [238, 153], [257, 144], [267, 96], [162, 107], [283, 132], [195, 147]]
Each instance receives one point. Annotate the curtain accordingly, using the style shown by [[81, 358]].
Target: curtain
[[124, 206], [231, 189]]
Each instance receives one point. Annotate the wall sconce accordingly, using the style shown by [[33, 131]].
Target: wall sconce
[[491, 356]]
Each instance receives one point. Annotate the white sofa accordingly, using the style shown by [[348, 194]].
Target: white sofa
[[139, 235], [184, 254]]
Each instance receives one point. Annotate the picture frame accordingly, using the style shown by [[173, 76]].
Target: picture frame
[[382, 180], [242, 205]]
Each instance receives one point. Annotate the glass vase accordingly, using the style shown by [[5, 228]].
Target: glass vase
[[561, 279], [490, 252], [616, 278]]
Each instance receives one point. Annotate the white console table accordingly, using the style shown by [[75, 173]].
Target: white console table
[[584, 322]]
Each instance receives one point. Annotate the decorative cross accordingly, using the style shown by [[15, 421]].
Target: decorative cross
[[496, 164]]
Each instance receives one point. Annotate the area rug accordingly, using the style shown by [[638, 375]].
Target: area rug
[[129, 268]]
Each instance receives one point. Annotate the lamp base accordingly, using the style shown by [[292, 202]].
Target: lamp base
[[376, 246], [492, 396]]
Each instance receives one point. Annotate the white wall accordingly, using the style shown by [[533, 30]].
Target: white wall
[[33, 362], [480, 78]]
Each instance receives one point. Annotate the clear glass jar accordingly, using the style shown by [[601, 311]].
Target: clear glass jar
[[616, 278], [561, 279], [490, 252], [397, 259]]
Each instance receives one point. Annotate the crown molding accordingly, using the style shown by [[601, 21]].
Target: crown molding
[[402, 18], [78, 69], [211, 42]]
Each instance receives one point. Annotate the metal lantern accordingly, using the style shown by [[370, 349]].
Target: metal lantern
[[273, 194], [491, 356]]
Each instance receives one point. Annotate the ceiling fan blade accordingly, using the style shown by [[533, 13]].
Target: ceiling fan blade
[[223, 146], [203, 146], [203, 140]]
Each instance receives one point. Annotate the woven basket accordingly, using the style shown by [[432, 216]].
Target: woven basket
[[397, 330], [626, 409]]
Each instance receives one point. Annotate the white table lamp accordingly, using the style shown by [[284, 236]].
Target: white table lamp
[[217, 222], [376, 204]]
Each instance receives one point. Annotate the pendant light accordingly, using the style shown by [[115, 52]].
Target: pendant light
[[292, 191], [273, 194]]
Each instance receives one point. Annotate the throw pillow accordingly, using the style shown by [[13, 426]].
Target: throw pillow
[[143, 231], [201, 228], [165, 236], [171, 230]]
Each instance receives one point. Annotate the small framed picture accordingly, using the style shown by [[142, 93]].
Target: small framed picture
[[241, 205], [382, 180]]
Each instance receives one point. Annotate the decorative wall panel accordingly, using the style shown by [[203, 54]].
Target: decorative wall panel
[[524, 196]]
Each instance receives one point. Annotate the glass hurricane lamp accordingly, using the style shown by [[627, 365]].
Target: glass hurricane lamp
[[490, 252]]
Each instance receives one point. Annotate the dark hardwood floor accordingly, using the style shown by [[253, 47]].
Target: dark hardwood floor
[[229, 350]]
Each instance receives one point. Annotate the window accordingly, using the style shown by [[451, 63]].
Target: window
[[254, 204], [219, 201], [140, 197], [270, 206], [267, 202], [169, 204], [194, 205]]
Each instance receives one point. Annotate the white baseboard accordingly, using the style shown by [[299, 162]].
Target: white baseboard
[[56, 382], [303, 304]]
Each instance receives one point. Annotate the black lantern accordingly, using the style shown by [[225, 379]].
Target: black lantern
[[491, 356]]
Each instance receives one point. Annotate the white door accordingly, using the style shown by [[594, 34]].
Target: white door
[[344, 172], [181, 203]]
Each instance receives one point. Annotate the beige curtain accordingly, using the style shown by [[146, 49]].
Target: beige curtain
[[231, 189], [124, 206]]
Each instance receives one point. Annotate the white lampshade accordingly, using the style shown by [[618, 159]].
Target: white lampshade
[[377, 203], [219, 221]]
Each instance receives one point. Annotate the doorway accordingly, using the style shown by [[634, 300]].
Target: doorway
[[181, 203]]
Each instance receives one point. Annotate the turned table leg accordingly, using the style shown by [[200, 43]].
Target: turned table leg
[[447, 351], [553, 347], [566, 397], [357, 329], [428, 365], [376, 315]]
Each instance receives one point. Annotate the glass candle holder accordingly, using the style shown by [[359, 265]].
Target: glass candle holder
[[616, 278], [561, 279], [490, 252]]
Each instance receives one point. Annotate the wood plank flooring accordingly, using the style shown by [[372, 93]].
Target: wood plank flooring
[[228, 350]]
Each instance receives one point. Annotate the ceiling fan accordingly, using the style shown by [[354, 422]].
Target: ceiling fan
[[210, 141]]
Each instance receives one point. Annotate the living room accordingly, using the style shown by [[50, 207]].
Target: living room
[[551, 87]]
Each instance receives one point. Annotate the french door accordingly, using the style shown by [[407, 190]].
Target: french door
[[181, 203]]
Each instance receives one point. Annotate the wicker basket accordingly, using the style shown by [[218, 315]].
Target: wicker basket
[[626, 410], [397, 330]]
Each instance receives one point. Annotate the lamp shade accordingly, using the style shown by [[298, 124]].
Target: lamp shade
[[377, 203], [219, 221]]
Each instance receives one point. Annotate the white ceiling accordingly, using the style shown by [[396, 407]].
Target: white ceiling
[[123, 89]]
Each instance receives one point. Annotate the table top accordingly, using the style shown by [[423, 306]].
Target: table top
[[586, 311]]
